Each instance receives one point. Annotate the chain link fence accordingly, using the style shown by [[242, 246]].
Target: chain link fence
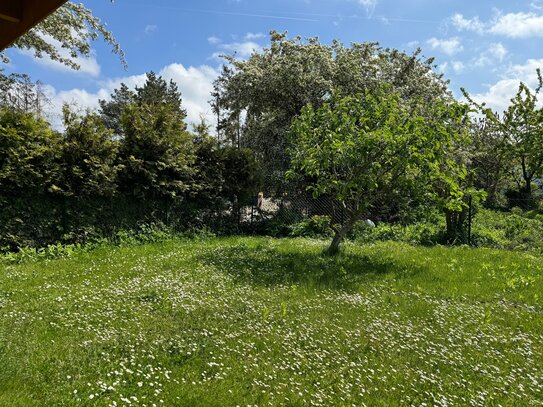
[[282, 212]]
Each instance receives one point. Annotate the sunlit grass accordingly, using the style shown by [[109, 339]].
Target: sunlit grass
[[256, 321]]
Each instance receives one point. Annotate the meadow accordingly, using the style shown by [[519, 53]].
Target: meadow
[[261, 321]]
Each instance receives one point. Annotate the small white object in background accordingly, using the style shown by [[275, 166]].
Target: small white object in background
[[369, 222]]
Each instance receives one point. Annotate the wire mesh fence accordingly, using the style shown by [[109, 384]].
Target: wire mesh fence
[[289, 209]]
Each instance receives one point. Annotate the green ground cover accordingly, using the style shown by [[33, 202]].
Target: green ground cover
[[261, 321]]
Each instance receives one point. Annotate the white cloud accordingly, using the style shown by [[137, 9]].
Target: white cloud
[[214, 40], [195, 84], [512, 25], [518, 25], [442, 68], [526, 72], [467, 24], [458, 66], [243, 49], [240, 49], [498, 95], [151, 28], [254, 36], [449, 46], [496, 52], [369, 5], [87, 65], [130, 81]]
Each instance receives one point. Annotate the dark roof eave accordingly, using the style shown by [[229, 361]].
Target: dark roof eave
[[18, 17]]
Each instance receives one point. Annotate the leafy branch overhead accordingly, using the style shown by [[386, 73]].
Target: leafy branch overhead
[[66, 35]]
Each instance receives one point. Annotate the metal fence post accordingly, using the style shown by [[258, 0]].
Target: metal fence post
[[470, 201]]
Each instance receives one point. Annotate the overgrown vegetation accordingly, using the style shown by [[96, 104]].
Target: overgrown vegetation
[[388, 144], [516, 230]]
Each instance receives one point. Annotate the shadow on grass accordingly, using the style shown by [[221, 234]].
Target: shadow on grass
[[279, 265]]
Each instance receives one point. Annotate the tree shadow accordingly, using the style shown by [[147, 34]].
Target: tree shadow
[[269, 265]]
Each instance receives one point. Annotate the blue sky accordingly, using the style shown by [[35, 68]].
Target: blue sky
[[482, 46]]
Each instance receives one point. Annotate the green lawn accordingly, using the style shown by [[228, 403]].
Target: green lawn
[[256, 321]]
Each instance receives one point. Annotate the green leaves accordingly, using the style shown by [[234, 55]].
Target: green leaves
[[360, 149], [512, 142], [28, 150], [74, 27], [273, 86], [88, 156], [156, 149]]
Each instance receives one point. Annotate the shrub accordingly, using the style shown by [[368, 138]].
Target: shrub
[[315, 226], [203, 233], [51, 252], [515, 230], [418, 233], [146, 233]]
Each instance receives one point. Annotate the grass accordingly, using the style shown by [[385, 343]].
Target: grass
[[259, 321]]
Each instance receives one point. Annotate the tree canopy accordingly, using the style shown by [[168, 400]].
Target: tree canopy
[[256, 99], [155, 91], [27, 153], [72, 27], [520, 138], [372, 146], [87, 157]]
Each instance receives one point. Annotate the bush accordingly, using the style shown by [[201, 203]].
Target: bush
[[275, 227], [199, 234], [146, 233], [488, 238], [515, 230], [51, 252], [317, 226], [418, 233]]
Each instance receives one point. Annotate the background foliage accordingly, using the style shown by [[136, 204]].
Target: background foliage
[[297, 104]]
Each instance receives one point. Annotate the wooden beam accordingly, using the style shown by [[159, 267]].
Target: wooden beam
[[31, 12], [11, 11]]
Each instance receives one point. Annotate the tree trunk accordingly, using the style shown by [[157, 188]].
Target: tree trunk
[[340, 235], [525, 195], [455, 226], [492, 197], [526, 190], [528, 187]]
